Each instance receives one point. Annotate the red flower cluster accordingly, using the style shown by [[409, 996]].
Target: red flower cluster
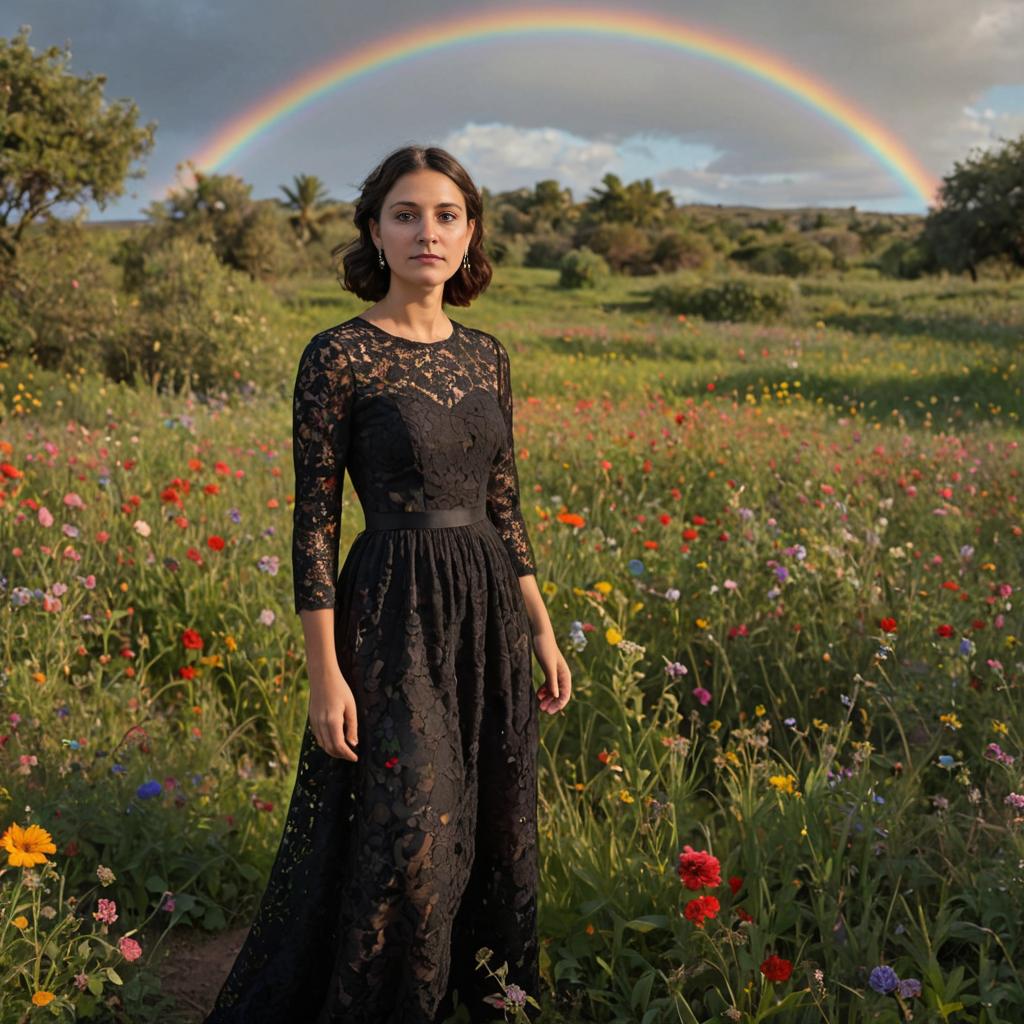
[[775, 968], [701, 907], [697, 868]]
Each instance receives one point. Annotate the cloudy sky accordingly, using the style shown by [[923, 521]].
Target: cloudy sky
[[944, 76]]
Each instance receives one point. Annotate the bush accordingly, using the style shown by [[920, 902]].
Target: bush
[[59, 303], [761, 302], [582, 268], [678, 250], [547, 251], [195, 324], [792, 258]]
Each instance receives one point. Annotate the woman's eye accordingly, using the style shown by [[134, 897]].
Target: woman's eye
[[409, 213]]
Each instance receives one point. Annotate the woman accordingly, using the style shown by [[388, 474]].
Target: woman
[[411, 837]]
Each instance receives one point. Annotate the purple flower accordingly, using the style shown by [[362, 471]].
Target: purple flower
[[908, 988], [883, 979], [149, 789], [782, 573], [704, 696]]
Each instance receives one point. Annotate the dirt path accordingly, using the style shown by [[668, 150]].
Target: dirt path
[[193, 965]]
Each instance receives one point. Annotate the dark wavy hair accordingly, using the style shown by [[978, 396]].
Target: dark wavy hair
[[361, 271]]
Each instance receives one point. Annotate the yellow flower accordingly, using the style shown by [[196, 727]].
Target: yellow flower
[[701, 623], [612, 635], [580, 787], [637, 606], [625, 796], [998, 726], [603, 586], [730, 756], [951, 720], [549, 587], [783, 783], [819, 724], [231, 643], [21, 921], [990, 566], [702, 565], [759, 710], [42, 997], [803, 831], [714, 725], [25, 847]]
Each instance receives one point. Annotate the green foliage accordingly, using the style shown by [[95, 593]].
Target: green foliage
[[793, 258], [62, 307], [310, 207], [195, 324], [732, 299], [60, 142], [681, 250], [582, 268], [980, 215], [625, 247], [637, 203], [219, 211]]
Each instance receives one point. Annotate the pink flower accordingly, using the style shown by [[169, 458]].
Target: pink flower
[[130, 949], [704, 696], [45, 516], [73, 500], [106, 912]]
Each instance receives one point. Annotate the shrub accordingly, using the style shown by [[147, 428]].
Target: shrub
[[582, 268], [730, 300], [195, 324]]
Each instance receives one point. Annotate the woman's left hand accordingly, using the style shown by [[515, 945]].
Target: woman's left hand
[[557, 688]]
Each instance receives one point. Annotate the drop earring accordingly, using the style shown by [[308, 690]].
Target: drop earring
[[465, 261], [380, 257]]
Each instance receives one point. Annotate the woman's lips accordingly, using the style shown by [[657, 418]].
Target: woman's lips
[[426, 259]]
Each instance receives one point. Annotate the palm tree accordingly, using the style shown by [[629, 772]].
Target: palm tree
[[310, 205]]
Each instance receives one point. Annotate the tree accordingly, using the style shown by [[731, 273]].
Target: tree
[[636, 203], [59, 141], [310, 206], [980, 214], [219, 211]]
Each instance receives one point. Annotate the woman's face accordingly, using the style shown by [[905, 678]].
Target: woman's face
[[424, 212]]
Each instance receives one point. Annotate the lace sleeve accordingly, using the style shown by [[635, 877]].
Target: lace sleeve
[[321, 421], [503, 485]]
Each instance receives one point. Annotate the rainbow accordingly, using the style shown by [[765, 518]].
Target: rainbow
[[233, 138]]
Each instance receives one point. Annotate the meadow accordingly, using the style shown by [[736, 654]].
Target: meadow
[[784, 562]]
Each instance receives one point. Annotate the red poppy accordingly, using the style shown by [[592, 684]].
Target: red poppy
[[775, 968], [888, 625], [191, 640], [698, 868], [699, 908], [215, 542], [735, 883], [945, 630]]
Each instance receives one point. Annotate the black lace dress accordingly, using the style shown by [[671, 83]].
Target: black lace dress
[[394, 869]]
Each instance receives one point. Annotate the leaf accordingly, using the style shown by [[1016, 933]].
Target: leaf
[[113, 975], [83, 949], [95, 984], [641, 994], [648, 922], [156, 884]]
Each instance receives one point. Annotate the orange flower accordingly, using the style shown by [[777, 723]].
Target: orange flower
[[571, 518], [26, 847], [42, 997]]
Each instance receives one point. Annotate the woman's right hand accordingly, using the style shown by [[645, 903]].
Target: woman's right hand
[[332, 712]]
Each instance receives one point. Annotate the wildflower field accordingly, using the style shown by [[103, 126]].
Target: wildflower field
[[784, 562]]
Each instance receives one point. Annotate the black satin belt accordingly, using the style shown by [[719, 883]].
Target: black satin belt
[[430, 518]]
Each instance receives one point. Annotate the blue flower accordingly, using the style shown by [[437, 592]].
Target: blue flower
[[635, 566], [883, 979], [947, 760], [908, 988], [118, 769], [149, 789]]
